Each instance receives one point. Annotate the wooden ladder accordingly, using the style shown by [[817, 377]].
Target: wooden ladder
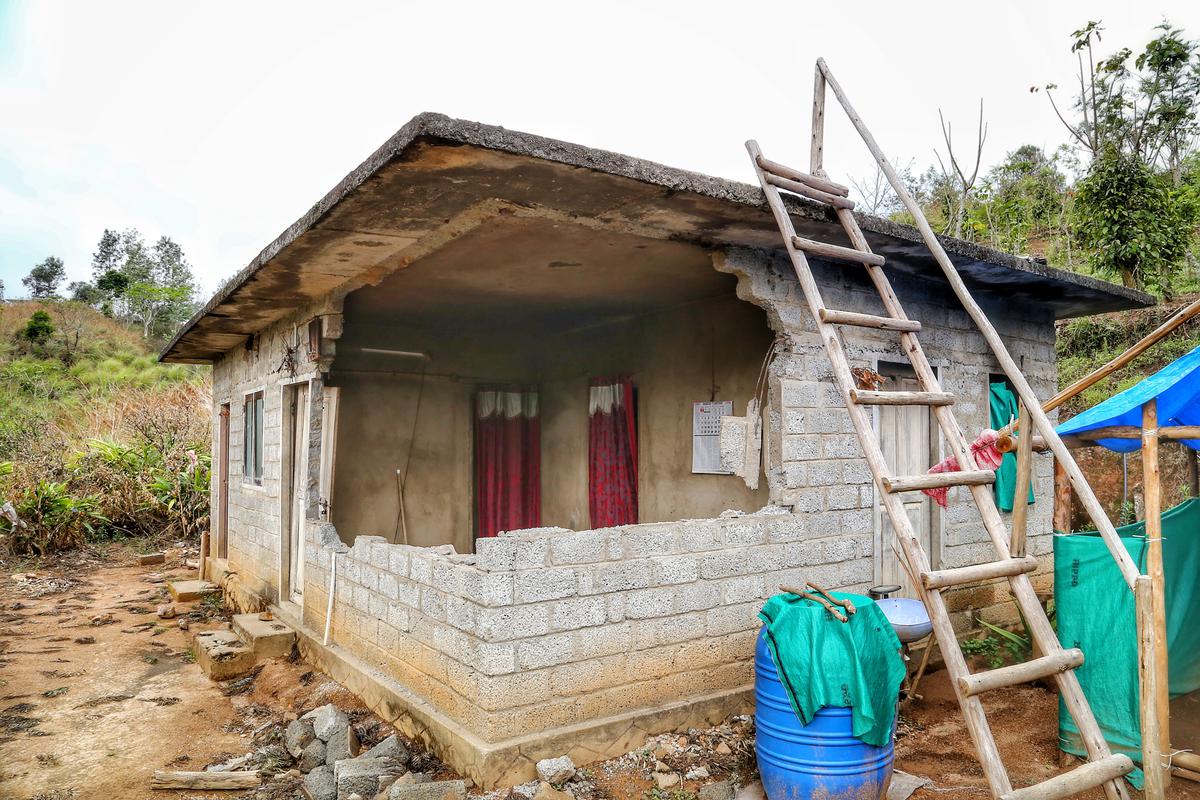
[[1103, 767]]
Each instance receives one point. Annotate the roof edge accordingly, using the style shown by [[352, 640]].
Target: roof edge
[[440, 126]]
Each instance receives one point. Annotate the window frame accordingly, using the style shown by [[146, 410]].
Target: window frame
[[253, 411]]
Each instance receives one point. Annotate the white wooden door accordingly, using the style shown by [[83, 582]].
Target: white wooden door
[[299, 490], [905, 436]]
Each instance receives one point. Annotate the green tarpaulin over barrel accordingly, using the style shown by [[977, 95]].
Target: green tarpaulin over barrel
[[1095, 613]]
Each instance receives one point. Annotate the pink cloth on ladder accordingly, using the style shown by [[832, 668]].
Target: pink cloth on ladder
[[986, 455]]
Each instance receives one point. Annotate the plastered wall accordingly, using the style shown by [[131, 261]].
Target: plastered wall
[[674, 359]]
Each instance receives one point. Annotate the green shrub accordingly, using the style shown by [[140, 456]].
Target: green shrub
[[50, 519]]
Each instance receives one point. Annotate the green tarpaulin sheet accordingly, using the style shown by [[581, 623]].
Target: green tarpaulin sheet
[[825, 662], [1002, 409], [1095, 613]]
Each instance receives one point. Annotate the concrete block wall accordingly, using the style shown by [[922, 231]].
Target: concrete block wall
[[548, 628], [255, 511], [817, 463]]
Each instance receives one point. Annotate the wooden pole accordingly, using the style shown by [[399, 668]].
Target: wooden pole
[[205, 780], [816, 161], [204, 539], [1158, 334], [1152, 503], [1148, 647], [1020, 513], [1063, 499]]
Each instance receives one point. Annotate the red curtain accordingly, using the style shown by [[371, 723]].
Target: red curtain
[[507, 461], [612, 453]]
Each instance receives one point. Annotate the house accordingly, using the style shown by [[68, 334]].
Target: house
[[487, 390]]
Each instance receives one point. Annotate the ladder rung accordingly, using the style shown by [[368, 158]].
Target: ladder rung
[[938, 480], [807, 191], [869, 321], [866, 397], [1084, 777], [937, 579], [836, 251], [820, 184], [1025, 672]]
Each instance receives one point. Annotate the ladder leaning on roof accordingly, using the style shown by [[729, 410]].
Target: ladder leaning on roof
[[1103, 767]]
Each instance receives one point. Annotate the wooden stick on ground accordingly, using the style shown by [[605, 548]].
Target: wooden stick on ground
[[838, 615], [205, 780]]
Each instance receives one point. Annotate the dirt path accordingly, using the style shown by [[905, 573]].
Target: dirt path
[[97, 692], [89, 707]]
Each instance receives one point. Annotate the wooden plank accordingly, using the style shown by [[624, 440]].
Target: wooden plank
[[1152, 511], [795, 187], [820, 184], [1148, 676], [938, 480], [958, 576], [205, 780], [1025, 672], [867, 397], [905, 539], [1020, 512], [1041, 422], [869, 321], [1080, 779], [824, 250]]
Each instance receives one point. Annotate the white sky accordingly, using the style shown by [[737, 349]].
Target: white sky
[[220, 123]]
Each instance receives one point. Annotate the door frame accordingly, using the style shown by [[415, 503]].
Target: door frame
[[220, 544], [936, 450], [294, 420]]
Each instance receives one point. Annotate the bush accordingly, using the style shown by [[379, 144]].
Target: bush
[[49, 519]]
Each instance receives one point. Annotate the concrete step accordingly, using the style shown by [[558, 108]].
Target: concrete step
[[222, 654], [187, 590], [267, 638]]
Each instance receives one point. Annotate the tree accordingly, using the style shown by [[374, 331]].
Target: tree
[[1022, 202], [38, 329], [1136, 121], [957, 175], [43, 280], [152, 286], [1, 291], [1131, 219], [84, 292]]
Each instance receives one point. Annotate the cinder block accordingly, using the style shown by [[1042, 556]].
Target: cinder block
[[545, 584]]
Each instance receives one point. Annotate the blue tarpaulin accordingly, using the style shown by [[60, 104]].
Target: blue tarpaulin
[[1175, 386]]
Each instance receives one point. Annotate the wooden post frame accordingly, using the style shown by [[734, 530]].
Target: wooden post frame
[[1152, 724], [1152, 503]]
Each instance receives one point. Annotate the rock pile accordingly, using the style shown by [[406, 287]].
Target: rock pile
[[329, 755]]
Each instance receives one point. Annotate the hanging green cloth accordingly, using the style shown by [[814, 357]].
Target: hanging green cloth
[[825, 662], [1002, 409], [1095, 613]]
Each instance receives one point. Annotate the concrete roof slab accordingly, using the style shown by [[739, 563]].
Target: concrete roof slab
[[435, 170]]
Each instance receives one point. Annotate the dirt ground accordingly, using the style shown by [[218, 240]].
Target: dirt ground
[[96, 692]]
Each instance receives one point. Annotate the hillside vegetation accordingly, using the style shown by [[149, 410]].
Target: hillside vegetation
[[1089, 342], [97, 439]]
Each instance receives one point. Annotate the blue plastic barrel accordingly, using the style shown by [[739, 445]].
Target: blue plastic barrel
[[820, 760]]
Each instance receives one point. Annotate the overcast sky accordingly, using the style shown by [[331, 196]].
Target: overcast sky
[[220, 123]]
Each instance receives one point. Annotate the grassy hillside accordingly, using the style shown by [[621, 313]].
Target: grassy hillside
[[97, 439]]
